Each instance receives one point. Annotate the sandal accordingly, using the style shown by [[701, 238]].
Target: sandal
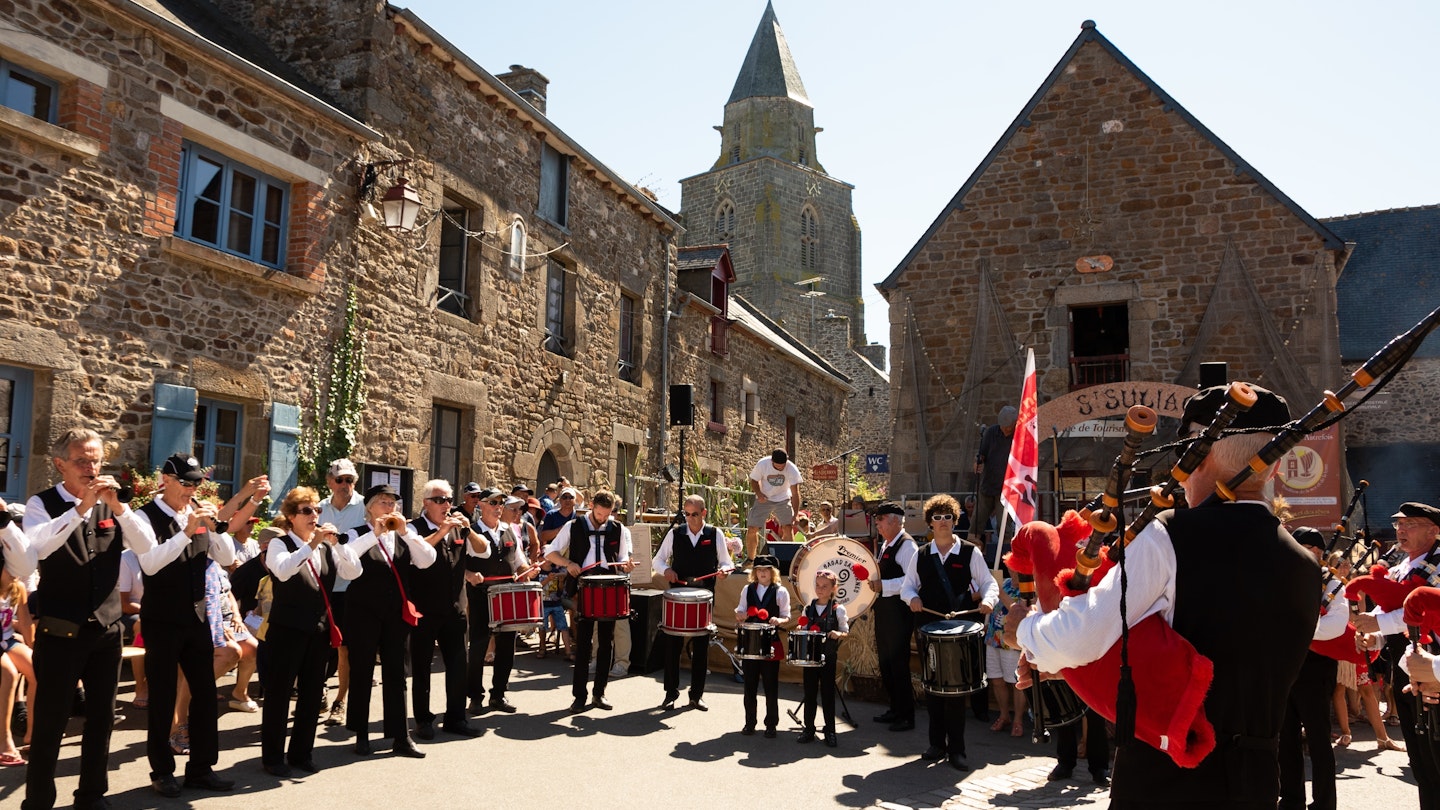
[[180, 741], [540, 654], [141, 703], [8, 760], [1342, 741], [1388, 744], [1392, 720], [998, 724], [1018, 730]]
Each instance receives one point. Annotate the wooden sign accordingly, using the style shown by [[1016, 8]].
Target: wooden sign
[[825, 472]]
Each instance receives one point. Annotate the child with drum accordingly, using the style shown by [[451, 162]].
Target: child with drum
[[823, 615], [764, 605]]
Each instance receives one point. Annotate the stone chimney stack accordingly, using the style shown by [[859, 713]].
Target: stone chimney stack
[[529, 83]]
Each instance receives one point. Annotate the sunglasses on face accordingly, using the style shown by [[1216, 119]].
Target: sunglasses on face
[[942, 517], [187, 484], [567, 497], [694, 514], [307, 510], [494, 503], [441, 499], [345, 480]]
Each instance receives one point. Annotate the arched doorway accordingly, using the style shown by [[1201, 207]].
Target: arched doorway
[[548, 472]]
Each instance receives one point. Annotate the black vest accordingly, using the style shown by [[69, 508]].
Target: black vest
[[78, 579], [375, 590], [582, 539], [437, 591], [176, 593], [1253, 670], [690, 561], [770, 604], [294, 602], [501, 549], [890, 567], [815, 621], [957, 570]]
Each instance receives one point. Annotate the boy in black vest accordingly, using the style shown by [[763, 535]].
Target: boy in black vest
[[74, 533], [691, 555], [592, 543]]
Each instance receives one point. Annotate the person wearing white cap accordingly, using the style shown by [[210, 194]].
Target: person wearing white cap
[[344, 509]]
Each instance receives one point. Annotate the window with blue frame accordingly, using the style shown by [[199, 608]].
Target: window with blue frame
[[230, 206], [217, 442], [29, 93]]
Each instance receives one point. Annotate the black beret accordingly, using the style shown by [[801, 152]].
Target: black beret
[[1306, 536], [1414, 509], [889, 508], [767, 560], [380, 489], [1270, 410]]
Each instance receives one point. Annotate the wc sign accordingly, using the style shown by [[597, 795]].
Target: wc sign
[[877, 463]]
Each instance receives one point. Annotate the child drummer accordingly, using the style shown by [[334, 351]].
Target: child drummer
[[827, 616], [764, 600]]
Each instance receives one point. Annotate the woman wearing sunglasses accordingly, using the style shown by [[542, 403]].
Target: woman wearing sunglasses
[[302, 564]]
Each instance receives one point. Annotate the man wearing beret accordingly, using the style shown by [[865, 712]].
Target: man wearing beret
[[1170, 569], [1417, 534], [894, 622]]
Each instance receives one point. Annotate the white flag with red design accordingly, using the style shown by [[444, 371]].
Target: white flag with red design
[[1021, 493]]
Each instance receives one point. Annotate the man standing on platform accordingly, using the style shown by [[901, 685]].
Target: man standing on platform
[[776, 484], [990, 463], [894, 621], [692, 555]]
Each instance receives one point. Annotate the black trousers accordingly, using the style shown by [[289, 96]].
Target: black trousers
[[186, 644], [296, 659], [947, 723], [699, 664], [820, 683], [370, 632], [1097, 743], [604, 658], [446, 630], [1309, 708], [480, 634], [1422, 750], [768, 673], [92, 658], [894, 624]]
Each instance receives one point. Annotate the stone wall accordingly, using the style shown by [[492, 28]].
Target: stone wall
[[867, 410], [1102, 167]]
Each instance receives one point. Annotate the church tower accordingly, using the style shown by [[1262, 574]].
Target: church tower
[[790, 226]]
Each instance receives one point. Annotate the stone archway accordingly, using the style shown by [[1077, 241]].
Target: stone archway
[[552, 437], [547, 472]]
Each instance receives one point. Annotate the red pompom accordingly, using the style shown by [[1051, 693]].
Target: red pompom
[[861, 572], [764, 615], [803, 623], [754, 611]]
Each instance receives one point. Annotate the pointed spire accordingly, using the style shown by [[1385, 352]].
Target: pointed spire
[[769, 70]]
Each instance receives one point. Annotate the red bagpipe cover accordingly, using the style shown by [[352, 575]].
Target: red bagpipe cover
[[1342, 647], [1388, 594], [1170, 677]]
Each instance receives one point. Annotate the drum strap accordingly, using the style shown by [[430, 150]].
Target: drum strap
[[944, 580]]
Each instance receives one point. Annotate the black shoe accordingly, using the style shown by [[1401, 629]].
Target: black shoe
[[959, 763], [477, 707], [425, 731], [934, 752], [1060, 772], [601, 703], [903, 725], [769, 732], [1102, 779], [699, 703], [405, 748], [888, 717], [807, 736], [669, 704], [362, 747], [209, 781], [462, 729], [307, 766], [166, 786], [748, 730], [500, 704], [831, 740], [578, 706], [281, 770]]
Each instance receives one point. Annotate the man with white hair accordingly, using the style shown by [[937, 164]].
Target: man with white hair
[[438, 592]]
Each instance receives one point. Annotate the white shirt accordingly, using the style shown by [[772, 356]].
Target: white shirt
[[343, 519], [19, 556], [666, 553], [131, 581], [282, 563], [422, 554], [782, 601], [903, 557], [982, 583], [561, 544], [775, 484], [1332, 622], [167, 550], [44, 535], [493, 536]]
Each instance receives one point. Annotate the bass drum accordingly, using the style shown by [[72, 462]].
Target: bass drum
[[852, 564]]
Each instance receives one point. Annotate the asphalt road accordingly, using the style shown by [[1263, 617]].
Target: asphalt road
[[545, 757]]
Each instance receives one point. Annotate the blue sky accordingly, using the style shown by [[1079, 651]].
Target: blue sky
[[1334, 102]]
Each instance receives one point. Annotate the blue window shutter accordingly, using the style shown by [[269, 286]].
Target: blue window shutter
[[284, 449], [173, 428]]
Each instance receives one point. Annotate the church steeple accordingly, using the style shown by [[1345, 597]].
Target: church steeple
[[769, 113]]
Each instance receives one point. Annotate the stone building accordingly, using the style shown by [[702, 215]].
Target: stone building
[[1112, 232]]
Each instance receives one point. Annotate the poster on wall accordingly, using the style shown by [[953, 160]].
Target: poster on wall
[[1308, 478]]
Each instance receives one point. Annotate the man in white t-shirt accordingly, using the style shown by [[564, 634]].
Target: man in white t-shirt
[[776, 484]]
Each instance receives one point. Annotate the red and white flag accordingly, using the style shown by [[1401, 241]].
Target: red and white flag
[[1020, 493]]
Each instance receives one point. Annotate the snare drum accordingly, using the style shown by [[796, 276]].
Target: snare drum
[[514, 606], [952, 657], [755, 641], [687, 612], [605, 597], [1059, 705], [806, 648], [846, 558]]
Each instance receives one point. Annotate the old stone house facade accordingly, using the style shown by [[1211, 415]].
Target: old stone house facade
[[1113, 233]]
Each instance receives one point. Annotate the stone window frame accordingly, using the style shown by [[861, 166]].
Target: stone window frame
[[437, 410], [725, 219], [80, 126], [463, 300], [10, 72], [809, 237], [559, 326], [206, 443], [518, 244], [193, 153], [716, 421], [553, 204], [628, 365], [750, 402]]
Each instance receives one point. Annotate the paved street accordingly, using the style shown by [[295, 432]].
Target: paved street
[[636, 753]]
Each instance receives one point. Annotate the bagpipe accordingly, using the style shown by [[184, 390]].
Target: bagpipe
[[1343, 647], [1171, 685], [1422, 621]]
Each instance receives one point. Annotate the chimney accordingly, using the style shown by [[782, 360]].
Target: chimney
[[528, 83]]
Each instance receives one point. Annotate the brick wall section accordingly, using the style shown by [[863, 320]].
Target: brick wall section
[[310, 219], [162, 204], [1102, 168], [82, 110]]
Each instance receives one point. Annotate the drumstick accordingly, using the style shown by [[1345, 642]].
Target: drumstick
[[950, 615], [707, 576]]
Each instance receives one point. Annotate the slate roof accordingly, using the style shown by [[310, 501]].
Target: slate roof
[[1392, 279], [700, 257], [1089, 33], [747, 315], [769, 70]]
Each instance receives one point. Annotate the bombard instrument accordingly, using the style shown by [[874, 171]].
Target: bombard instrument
[[393, 522]]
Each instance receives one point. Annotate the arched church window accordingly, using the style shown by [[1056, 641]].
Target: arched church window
[[725, 220], [809, 238]]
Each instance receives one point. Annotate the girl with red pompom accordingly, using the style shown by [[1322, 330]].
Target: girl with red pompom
[[763, 600], [825, 615]]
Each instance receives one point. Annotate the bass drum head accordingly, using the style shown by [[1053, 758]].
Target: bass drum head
[[846, 558]]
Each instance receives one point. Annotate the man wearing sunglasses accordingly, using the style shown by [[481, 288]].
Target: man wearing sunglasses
[[494, 555], [438, 592], [470, 500], [345, 508], [569, 499], [693, 554]]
